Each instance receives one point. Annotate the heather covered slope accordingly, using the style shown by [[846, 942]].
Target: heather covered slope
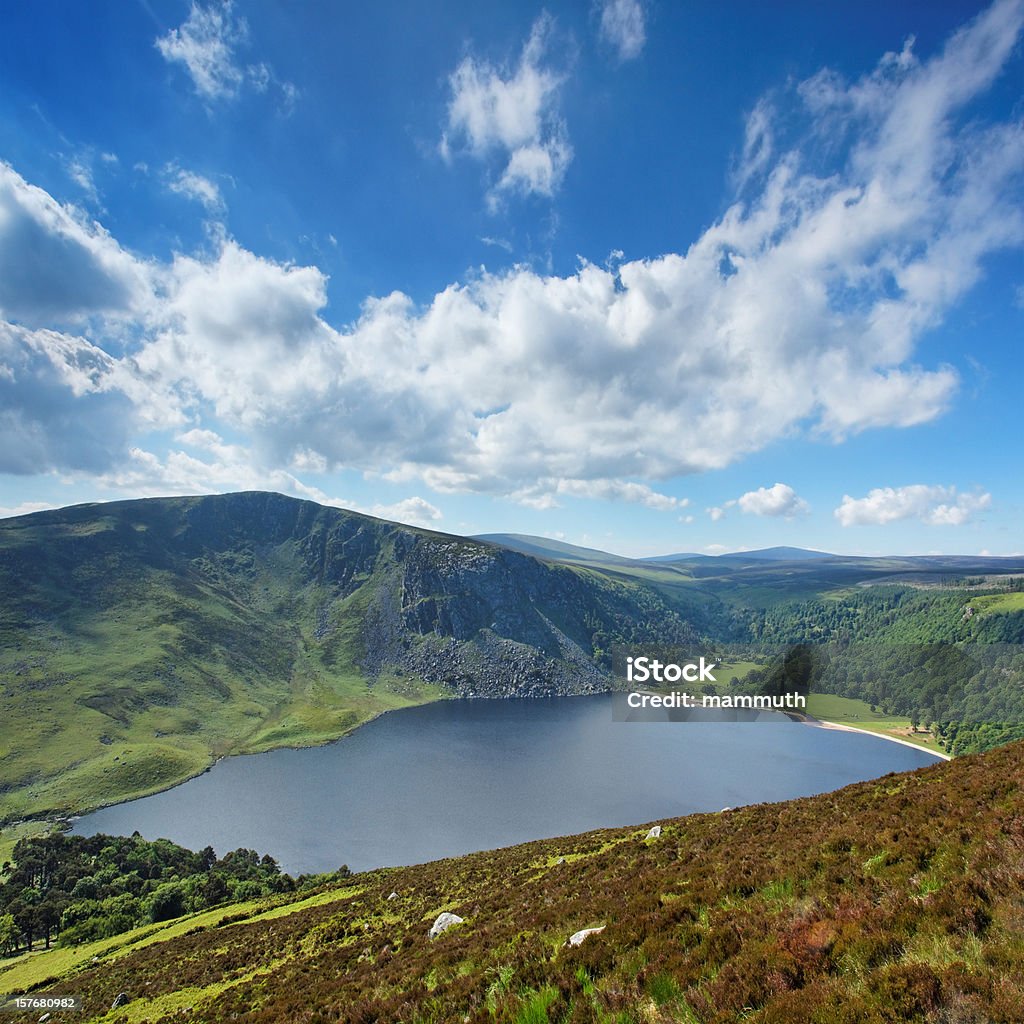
[[141, 639], [899, 899]]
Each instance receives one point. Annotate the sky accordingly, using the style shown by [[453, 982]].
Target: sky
[[644, 276]]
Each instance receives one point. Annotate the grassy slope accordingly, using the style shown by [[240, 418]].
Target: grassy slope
[[899, 899], [120, 675], [998, 603]]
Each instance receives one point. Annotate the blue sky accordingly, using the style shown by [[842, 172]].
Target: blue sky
[[644, 276]]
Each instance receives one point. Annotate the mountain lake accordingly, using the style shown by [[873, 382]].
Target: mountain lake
[[463, 775]]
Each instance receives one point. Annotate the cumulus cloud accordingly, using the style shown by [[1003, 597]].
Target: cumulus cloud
[[511, 116], [800, 311], [544, 493], [934, 505], [414, 511], [206, 44], [778, 500], [202, 462], [61, 406], [622, 25], [57, 266]]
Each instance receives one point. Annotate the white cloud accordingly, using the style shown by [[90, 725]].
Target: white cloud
[[777, 500], [206, 43], [607, 490], [24, 509], [715, 513], [799, 312], [194, 186], [206, 463], [413, 511], [61, 406], [758, 142], [934, 505], [81, 174], [511, 116], [622, 25], [57, 266]]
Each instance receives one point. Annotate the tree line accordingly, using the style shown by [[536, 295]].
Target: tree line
[[71, 889]]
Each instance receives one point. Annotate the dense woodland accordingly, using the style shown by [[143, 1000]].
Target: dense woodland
[[918, 653], [72, 889]]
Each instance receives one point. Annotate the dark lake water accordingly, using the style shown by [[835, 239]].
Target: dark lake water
[[464, 775]]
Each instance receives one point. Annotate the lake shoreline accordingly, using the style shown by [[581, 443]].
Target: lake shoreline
[[822, 724], [428, 782]]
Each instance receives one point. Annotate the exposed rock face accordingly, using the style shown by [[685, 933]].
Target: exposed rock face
[[577, 937], [655, 832], [488, 622], [477, 618], [443, 922]]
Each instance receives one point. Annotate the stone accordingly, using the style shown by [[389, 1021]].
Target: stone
[[122, 999], [443, 923], [393, 896], [655, 832], [577, 937]]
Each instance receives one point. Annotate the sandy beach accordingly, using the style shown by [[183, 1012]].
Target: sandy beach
[[879, 735]]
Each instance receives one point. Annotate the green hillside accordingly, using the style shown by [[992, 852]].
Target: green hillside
[[899, 899], [140, 640]]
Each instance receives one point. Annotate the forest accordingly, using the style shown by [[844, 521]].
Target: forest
[[68, 889]]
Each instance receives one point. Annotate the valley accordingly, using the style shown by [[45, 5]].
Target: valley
[[143, 640]]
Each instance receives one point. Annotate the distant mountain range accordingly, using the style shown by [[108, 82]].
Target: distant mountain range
[[560, 551], [546, 547], [777, 554]]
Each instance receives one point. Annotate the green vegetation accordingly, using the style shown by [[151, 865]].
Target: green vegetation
[[898, 899], [141, 640], [858, 714], [924, 655], [73, 889]]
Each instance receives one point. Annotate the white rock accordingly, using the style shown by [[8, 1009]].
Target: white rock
[[393, 896], [654, 833], [443, 923], [577, 937]]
